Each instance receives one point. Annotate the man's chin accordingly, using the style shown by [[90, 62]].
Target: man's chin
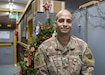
[[65, 32]]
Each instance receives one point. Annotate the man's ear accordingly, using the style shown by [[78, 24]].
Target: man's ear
[[55, 25], [55, 22]]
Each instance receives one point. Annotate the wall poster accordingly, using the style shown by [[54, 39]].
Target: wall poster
[[4, 34]]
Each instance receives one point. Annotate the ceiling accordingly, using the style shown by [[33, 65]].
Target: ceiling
[[20, 4], [15, 1], [17, 5]]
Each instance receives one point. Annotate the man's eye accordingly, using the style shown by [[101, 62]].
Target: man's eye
[[68, 21], [65, 20], [61, 20]]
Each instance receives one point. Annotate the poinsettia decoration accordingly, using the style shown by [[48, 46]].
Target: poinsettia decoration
[[27, 63]]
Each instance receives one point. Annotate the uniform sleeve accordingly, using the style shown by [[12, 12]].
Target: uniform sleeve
[[39, 63], [88, 63]]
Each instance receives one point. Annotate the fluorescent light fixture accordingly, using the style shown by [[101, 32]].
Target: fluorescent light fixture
[[11, 6]]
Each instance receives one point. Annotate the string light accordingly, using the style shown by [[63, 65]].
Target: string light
[[11, 5]]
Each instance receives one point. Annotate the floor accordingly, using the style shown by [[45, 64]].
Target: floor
[[9, 70]]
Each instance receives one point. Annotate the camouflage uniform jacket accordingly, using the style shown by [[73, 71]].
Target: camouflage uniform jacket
[[53, 59]]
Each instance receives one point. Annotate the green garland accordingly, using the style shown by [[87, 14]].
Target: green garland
[[45, 32]]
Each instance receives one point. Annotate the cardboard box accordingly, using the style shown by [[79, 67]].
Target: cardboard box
[[37, 6]]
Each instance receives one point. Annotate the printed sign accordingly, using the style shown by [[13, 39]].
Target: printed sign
[[4, 35]]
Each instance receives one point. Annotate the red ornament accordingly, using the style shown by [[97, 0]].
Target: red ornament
[[16, 31], [48, 27], [47, 6], [41, 27], [21, 72]]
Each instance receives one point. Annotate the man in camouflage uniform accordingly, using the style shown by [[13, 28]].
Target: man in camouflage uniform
[[64, 54]]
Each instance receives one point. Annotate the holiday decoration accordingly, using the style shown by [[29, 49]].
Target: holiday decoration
[[47, 6], [45, 32]]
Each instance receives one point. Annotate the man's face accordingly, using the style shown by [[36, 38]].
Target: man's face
[[64, 23]]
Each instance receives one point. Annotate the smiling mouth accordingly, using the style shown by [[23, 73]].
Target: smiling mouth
[[64, 28]]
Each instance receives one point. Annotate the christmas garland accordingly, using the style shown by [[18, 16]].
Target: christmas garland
[[27, 63]]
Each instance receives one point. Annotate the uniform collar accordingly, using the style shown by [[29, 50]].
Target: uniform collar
[[70, 45]]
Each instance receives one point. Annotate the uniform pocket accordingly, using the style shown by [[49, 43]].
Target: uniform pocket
[[75, 64]]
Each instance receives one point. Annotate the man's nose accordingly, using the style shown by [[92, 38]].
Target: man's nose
[[65, 22]]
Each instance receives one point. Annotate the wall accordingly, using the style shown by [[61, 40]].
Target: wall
[[89, 24], [73, 5], [7, 52]]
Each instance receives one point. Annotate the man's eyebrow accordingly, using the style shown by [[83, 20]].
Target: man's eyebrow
[[64, 19]]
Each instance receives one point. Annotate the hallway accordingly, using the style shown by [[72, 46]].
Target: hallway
[[9, 70]]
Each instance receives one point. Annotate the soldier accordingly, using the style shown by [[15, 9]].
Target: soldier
[[64, 54]]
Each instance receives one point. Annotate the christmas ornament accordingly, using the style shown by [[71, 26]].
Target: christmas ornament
[[47, 6]]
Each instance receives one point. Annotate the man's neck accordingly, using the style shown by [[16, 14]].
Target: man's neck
[[64, 39]]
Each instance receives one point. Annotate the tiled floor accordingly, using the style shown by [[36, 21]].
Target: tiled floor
[[9, 70]]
